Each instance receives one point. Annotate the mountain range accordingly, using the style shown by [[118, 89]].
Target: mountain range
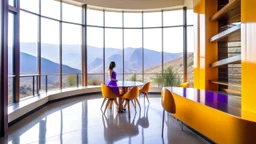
[[71, 58]]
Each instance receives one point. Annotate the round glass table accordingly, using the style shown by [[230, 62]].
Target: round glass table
[[124, 87]]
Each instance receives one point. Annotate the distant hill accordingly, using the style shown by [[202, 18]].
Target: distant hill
[[177, 66], [28, 65]]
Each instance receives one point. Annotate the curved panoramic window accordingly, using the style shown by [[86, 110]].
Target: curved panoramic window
[[146, 46]]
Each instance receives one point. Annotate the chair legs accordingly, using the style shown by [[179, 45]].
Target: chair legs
[[103, 103], [115, 101], [129, 114], [110, 104], [106, 106], [163, 123], [146, 95], [134, 105], [136, 100]]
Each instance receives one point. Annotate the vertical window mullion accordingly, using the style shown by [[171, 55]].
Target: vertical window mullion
[[162, 24], [185, 44], [104, 48], [60, 46], [123, 41]]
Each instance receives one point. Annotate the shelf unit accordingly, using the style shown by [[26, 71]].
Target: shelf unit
[[230, 60], [229, 46]]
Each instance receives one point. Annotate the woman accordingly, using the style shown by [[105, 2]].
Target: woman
[[113, 84], [112, 77]]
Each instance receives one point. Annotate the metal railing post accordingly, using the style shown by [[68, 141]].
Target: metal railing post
[[46, 83], [37, 86], [77, 80], [33, 85]]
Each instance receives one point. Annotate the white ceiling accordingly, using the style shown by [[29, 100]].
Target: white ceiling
[[134, 4]]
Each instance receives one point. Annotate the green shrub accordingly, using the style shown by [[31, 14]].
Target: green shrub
[[170, 78], [71, 80], [94, 81]]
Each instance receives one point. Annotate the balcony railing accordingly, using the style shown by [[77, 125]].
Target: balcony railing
[[29, 83]]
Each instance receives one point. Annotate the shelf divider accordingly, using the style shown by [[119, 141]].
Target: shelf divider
[[227, 8], [226, 33]]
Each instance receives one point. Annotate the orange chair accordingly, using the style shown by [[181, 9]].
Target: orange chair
[[184, 85], [168, 104], [131, 95], [145, 89], [109, 95]]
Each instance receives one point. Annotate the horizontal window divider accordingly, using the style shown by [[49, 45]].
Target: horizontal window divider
[[55, 74], [11, 76], [138, 27], [68, 22]]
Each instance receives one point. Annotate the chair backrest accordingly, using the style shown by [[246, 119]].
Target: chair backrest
[[145, 88], [107, 92], [132, 93], [168, 102], [184, 85]]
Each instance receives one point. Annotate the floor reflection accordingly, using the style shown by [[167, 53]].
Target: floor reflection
[[80, 120]]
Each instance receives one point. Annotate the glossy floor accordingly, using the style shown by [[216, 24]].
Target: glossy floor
[[80, 120]]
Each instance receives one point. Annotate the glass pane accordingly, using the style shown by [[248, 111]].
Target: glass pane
[[95, 55], [132, 19], [28, 43], [133, 51], [94, 17], [172, 18], [113, 19], [152, 19], [114, 44], [72, 13], [10, 56], [30, 5], [71, 53], [173, 56], [50, 51], [153, 56], [11, 2], [190, 17], [26, 87], [51, 8], [190, 56], [10, 90], [10, 43]]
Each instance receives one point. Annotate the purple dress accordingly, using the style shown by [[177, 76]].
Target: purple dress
[[112, 84]]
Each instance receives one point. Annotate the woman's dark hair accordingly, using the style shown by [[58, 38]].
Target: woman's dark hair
[[112, 65]]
